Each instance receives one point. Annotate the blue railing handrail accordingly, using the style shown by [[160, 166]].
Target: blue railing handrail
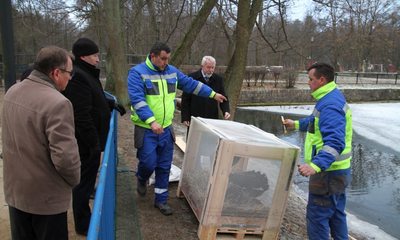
[[104, 204]]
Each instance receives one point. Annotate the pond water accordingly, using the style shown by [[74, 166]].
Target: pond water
[[374, 192]]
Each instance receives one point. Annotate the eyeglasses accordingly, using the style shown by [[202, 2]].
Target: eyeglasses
[[71, 74], [163, 58]]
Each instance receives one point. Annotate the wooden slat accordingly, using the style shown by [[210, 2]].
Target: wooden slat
[[234, 236], [180, 143]]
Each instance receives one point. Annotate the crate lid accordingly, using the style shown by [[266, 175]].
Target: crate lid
[[240, 132]]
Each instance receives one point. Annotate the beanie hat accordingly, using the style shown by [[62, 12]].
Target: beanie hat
[[84, 47]]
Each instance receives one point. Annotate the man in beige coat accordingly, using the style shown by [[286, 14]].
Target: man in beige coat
[[41, 161]]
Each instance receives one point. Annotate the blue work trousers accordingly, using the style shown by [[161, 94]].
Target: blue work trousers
[[327, 212], [156, 155]]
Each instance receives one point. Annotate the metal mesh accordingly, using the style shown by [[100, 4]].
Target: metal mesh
[[250, 190], [196, 179]]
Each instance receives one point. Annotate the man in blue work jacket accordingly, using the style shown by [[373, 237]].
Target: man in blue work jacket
[[152, 88], [327, 155]]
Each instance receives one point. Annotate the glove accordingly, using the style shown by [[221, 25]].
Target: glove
[[119, 108]]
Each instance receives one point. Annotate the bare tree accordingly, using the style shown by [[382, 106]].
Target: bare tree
[[115, 25], [225, 18], [234, 75], [344, 31], [40, 23], [366, 18], [191, 34]]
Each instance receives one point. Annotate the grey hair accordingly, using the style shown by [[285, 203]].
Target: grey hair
[[209, 58]]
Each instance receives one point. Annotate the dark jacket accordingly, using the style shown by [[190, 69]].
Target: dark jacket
[[91, 108], [26, 72], [197, 106]]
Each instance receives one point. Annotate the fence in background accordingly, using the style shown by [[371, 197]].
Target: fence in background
[[102, 222], [368, 77], [256, 77]]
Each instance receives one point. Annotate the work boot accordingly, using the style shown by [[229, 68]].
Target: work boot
[[164, 208], [141, 189]]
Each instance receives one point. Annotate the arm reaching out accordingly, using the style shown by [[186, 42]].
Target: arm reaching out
[[220, 98]]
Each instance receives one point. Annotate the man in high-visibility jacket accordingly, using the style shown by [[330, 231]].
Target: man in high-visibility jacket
[[327, 155], [152, 88]]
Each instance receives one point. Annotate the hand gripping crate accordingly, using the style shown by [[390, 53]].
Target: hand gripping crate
[[237, 179]]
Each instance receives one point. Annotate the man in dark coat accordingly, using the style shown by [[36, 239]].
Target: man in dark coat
[[196, 106], [92, 121], [26, 72]]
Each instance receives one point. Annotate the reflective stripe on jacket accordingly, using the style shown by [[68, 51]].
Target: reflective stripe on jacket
[[329, 131], [152, 93]]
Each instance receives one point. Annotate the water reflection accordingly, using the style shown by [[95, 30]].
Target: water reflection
[[374, 191]]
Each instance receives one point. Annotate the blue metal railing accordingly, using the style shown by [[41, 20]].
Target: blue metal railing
[[102, 222]]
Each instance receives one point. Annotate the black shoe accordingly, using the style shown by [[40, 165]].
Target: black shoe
[[164, 208], [141, 189], [93, 194]]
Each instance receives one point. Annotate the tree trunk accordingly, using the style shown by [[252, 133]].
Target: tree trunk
[[153, 20], [110, 82], [259, 49], [230, 38], [192, 33], [234, 75], [114, 10], [138, 33]]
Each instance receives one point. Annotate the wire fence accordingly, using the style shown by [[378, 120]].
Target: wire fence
[[359, 79], [367, 78]]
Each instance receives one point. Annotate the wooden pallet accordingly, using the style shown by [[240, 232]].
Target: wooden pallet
[[234, 236], [231, 234]]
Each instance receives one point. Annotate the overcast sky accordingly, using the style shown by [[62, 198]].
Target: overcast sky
[[299, 9]]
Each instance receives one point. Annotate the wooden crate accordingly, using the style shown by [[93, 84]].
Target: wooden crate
[[237, 179]]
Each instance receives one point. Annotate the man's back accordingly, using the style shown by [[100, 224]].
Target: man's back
[[42, 159]]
